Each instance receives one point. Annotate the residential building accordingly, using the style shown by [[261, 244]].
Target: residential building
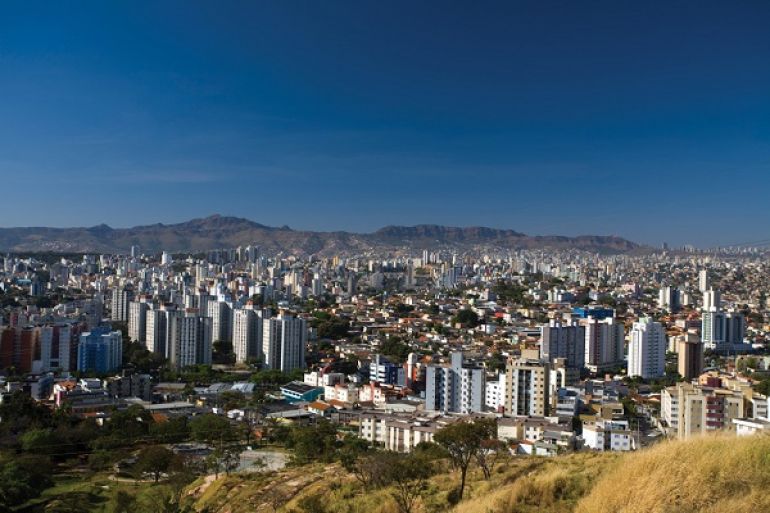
[[137, 321], [100, 350], [527, 387], [283, 343], [608, 435], [690, 356], [566, 341], [189, 339], [247, 335], [647, 349], [457, 387], [704, 409], [604, 341]]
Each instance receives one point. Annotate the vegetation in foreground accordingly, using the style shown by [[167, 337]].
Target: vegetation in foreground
[[710, 474]]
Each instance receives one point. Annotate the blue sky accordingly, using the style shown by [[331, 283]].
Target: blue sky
[[649, 120]]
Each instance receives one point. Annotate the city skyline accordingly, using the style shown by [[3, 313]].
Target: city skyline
[[547, 118]]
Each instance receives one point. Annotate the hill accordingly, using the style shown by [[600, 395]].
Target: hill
[[714, 474], [217, 231]]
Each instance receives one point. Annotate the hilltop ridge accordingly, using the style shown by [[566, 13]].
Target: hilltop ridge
[[218, 231]]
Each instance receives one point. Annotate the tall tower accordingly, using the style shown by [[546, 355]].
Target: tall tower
[[647, 349]]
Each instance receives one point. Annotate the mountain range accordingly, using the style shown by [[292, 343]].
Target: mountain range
[[218, 231]]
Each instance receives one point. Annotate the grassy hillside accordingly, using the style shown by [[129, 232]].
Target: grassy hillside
[[528, 484], [712, 474]]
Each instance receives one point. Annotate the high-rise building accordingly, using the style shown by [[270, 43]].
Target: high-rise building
[[221, 320], [669, 299], [55, 348], [527, 384], [566, 341], [712, 301], [690, 356], [704, 281], [604, 343], [714, 329], [735, 328], [100, 350], [647, 349], [121, 297], [189, 339], [457, 388], [247, 334], [158, 333], [137, 321], [283, 343]]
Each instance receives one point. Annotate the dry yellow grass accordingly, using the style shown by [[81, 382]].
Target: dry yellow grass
[[705, 475], [543, 485], [712, 474]]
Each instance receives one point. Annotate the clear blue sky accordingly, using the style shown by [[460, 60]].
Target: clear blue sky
[[649, 120]]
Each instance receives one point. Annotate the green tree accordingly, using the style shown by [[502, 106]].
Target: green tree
[[211, 428], [154, 460], [232, 399], [407, 475], [223, 352], [466, 317], [41, 441], [174, 430], [313, 443], [464, 440], [20, 412], [225, 458], [23, 478], [395, 349]]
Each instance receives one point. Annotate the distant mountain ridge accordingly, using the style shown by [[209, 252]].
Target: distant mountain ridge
[[218, 231]]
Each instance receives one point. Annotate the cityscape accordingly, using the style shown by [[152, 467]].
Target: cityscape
[[326, 257]]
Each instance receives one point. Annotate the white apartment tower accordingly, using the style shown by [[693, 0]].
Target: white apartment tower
[[647, 349], [283, 343], [247, 334], [190, 339], [220, 313], [137, 321], [704, 281], [121, 297]]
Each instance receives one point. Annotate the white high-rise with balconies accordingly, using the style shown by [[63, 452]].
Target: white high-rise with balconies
[[283, 343], [647, 349], [247, 334]]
